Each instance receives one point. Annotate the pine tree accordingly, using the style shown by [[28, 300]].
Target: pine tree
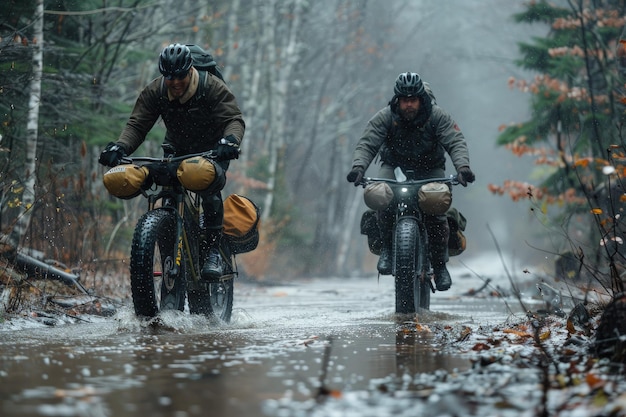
[[575, 133]]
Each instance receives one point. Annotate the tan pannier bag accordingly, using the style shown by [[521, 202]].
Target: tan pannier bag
[[434, 198], [241, 223], [124, 181], [378, 195], [457, 243]]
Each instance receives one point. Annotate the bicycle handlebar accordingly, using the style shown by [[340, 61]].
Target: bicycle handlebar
[[452, 180], [149, 159]]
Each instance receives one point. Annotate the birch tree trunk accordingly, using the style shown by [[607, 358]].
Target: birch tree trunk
[[347, 234], [274, 130], [282, 59], [32, 131]]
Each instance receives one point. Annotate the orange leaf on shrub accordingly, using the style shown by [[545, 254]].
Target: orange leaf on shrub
[[584, 162]]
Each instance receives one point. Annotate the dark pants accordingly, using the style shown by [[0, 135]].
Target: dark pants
[[213, 206]]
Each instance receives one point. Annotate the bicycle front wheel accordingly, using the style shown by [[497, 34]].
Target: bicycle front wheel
[[407, 264], [156, 272], [421, 292]]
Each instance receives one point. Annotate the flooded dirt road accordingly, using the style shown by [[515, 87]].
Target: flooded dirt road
[[272, 351]]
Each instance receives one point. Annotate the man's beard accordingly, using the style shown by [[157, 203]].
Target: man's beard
[[408, 115]]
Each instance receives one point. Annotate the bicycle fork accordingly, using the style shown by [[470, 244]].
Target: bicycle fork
[[183, 239], [426, 272]]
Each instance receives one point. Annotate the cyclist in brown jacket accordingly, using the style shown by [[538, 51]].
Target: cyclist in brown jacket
[[200, 113], [414, 134]]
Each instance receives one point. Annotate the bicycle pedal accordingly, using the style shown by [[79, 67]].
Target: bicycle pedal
[[212, 279]]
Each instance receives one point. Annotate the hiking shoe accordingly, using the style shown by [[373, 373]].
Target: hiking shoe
[[212, 268], [384, 262], [442, 278]]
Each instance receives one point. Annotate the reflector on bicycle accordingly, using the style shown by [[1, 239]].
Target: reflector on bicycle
[[124, 181]]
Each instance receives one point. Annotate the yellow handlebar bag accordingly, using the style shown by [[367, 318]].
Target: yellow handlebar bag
[[196, 173], [124, 181]]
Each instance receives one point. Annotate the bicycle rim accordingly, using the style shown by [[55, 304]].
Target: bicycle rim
[[212, 299], [221, 299]]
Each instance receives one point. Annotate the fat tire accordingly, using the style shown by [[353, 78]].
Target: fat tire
[[407, 263], [152, 254], [421, 291]]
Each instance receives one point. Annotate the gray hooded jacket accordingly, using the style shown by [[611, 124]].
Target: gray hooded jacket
[[410, 146]]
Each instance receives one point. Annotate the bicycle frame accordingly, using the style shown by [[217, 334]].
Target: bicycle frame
[[176, 198], [181, 201]]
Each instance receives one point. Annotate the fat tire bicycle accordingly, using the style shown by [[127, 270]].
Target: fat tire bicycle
[[166, 259], [411, 264]]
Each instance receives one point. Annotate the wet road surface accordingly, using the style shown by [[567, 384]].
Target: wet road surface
[[273, 350]]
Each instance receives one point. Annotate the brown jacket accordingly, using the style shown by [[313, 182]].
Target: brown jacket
[[206, 113]]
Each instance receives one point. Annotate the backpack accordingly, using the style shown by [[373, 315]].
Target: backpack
[[203, 61], [241, 223]]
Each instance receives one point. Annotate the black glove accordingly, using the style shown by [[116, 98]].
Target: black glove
[[112, 155], [465, 175], [228, 148], [356, 175]]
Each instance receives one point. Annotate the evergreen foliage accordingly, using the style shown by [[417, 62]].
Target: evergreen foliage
[[575, 133], [575, 96]]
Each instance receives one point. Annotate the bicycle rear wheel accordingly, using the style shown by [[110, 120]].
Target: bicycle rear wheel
[[215, 298], [157, 282]]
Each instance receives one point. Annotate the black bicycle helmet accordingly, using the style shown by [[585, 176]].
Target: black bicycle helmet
[[408, 84], [175, 61]]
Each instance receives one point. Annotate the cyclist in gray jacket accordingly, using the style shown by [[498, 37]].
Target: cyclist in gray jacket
[[415, 134]]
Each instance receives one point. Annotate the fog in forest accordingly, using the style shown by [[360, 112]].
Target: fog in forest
[[468, 56], [307, 76]]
